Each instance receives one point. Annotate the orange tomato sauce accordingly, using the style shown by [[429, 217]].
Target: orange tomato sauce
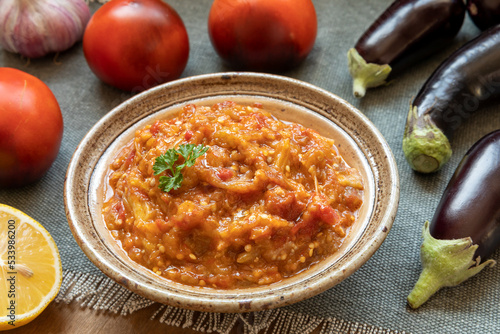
[[267, 200]]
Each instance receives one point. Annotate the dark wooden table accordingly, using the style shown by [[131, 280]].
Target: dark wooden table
[[70, 318]]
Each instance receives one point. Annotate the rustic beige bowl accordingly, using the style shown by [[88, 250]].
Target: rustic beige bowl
[[359, 142]]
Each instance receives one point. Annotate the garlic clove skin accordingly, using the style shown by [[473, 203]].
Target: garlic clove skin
[[35, 28]]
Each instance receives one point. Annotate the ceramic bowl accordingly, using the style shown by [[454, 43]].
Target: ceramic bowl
[[357, 139]]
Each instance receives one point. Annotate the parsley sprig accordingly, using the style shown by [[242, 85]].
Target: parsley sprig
[[166, 161]]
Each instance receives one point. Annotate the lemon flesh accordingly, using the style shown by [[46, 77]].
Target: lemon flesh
[[30, 268]]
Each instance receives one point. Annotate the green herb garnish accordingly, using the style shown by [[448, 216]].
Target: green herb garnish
[[189, 152]]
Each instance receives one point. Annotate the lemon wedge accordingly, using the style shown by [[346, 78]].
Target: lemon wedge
[[30, 268]]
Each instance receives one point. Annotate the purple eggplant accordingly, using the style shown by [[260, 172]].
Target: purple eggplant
[[406, 31], [468, 80], [484, 13], [465, 228]]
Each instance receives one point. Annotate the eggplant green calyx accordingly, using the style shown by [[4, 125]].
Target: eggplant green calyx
[[445, 263], [365, 75], [425, 146]]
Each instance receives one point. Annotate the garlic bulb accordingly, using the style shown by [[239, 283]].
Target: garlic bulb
[[35, 28]]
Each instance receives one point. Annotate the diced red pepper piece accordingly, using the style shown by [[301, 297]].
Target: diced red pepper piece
[[188, 135], [225, 174], [155, 128]]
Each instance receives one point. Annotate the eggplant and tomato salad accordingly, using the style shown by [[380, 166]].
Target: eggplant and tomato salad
[[465, 228], [484, 13], [468, 80], [406, 31]]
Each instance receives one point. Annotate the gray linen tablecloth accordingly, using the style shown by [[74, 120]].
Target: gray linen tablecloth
[[372, 300]]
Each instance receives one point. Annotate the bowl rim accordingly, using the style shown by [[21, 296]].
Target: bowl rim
[[76, 197]]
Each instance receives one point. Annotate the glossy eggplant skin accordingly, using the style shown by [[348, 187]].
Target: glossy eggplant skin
[[484, 13], [470, 206], [410, 29], [405, 32], [462, 84], [465, 82], [465, 229]]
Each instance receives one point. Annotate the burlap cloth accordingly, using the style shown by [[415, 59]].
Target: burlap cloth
[[372, 300]]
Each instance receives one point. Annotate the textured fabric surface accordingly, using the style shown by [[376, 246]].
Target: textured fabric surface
[[376, 294]]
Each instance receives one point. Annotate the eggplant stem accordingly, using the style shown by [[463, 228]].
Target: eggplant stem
[[365, 75], [358, 88], [425, 146], [427, 285], [445, 263]]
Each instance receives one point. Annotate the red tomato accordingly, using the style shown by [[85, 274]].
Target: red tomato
[[136, 44], [31, 128], [264, 35]]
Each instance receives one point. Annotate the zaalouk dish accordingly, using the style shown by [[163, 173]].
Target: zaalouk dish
[[264, 200]]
